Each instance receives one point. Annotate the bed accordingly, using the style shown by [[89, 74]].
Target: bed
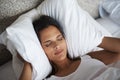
[[106, 22], [7, 69]]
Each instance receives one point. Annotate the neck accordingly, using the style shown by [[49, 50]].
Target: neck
[[61, 65]]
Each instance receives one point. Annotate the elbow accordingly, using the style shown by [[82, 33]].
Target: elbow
[[116, 57]]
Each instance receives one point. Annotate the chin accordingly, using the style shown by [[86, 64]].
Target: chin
[[63, 57]]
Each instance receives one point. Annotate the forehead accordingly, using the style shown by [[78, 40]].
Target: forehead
[[48, 33]]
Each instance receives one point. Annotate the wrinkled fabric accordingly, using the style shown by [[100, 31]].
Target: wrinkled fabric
[[111, 8]]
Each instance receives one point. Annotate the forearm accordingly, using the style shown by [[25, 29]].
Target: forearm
[[111, 52], [27, 72], [105, 56], [111, 44]]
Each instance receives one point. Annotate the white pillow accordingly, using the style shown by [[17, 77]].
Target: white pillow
[[20, 37], [82, 32]]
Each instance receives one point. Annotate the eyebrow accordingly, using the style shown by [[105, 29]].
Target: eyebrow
[[59, 35], [46, 41]]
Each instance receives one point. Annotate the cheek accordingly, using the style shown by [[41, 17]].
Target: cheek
[[48, 52], [64, 45]]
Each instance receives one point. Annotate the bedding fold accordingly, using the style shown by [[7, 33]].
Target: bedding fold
[[110, 8]]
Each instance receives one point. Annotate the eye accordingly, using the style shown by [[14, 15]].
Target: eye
[[60, 38], [48, 44]]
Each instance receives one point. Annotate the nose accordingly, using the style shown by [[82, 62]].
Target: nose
[[56, 46]]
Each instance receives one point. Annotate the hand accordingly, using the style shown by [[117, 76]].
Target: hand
[[27, 72], [20, 58]]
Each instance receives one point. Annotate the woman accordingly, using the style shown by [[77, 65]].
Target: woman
[[52, 39]]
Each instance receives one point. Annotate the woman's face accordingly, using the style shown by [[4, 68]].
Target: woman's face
[[53, 44]]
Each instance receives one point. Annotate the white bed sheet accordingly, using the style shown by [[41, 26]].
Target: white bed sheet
[[109, 25]]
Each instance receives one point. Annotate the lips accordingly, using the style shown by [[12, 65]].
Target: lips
[[58, 52]]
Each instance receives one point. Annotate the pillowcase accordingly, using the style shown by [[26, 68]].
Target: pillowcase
[[82, 32], [20, 37]]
